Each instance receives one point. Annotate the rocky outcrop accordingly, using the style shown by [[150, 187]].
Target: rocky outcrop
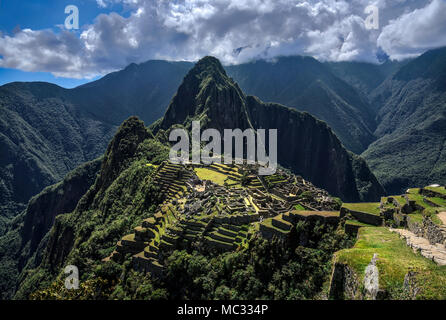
[[371, 279], [52, 201], [346, 284]]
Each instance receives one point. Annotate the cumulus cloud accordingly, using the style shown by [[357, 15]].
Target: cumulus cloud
[[233, 30], [415, 32]]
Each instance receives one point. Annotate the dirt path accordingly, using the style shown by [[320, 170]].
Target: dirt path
[[436, 252], [442, 216]]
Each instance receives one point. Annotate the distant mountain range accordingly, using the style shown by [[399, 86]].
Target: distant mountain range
[[392, 114]]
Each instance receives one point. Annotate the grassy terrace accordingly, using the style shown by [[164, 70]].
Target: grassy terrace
[[208, 174], [217, 241], [418, 198], [401, 200], [418, 217], [268, 223], [414, 191], [226, 168], [357, 223], [395, 259], [438, 201], [441, 190], [370, 207], [316, 213]]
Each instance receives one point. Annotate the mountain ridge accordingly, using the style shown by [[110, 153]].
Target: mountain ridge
[[209, 95]]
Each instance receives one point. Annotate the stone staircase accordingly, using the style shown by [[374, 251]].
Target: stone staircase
[[435, 252]]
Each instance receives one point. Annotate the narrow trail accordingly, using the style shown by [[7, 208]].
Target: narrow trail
[[436, 252], [442, 216]]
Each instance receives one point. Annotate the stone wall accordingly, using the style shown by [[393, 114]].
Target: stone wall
[[270, 233], [296, 217], [415, 227], [362, 216], [432, 194], [344, 283], [351, 229], [428, 230], [434, 233]]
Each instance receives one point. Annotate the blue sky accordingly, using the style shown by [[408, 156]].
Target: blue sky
[[45, 14], [35, 46]]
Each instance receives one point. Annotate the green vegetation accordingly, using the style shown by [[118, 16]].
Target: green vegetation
[[408, 151], [401, 200], [299, 207], [130, 188], [263, 270], [122, 196], [395, 260], [268, 224], [441, 190], [28, 232], [208, 174], [312, 86], [372, 208], [357, 223]]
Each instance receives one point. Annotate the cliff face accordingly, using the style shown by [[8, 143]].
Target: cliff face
[[305, 145], [23, 245], [52, 201], [309, 147]]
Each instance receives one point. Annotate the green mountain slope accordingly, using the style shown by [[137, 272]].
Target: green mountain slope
[[412, 125], [46, 130], [42, 137], [128, 192], [116, 202], [308, 85], [140, 89], [22, 246], [365, 76]]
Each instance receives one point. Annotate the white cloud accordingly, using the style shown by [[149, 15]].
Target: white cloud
[[415, 32], [232, 30]]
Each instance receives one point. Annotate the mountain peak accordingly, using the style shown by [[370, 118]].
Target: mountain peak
[[210, 63], [207, 93], [210, 68]]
